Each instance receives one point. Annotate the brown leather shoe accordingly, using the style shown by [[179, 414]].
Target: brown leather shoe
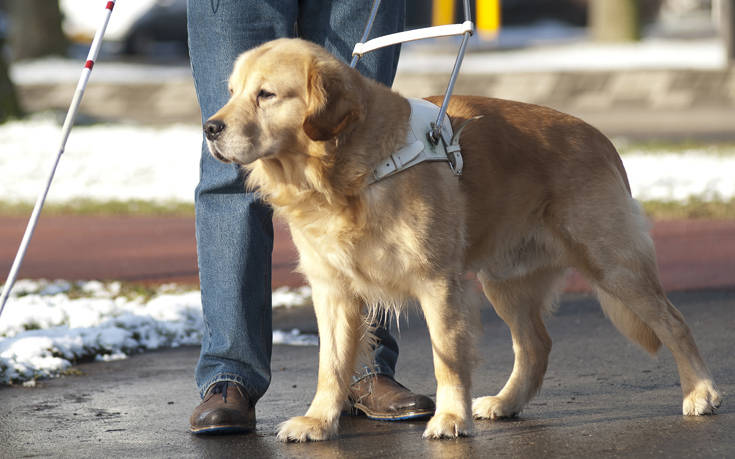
[[225, 409], [383, 398]]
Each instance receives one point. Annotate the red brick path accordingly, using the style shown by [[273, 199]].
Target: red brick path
[[691, 254]]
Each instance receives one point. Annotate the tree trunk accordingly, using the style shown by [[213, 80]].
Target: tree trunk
[[615, 20], [727, 26], [35, 28], [9, 105]]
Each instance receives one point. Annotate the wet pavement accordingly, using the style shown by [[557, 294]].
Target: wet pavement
[[602, 396]]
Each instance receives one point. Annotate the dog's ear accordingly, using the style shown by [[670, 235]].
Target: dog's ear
[[332, 102]]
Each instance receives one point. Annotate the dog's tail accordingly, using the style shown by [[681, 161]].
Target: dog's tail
[[637, 252], [628, 323]]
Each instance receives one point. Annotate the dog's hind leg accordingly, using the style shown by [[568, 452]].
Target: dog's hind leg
[[646, 310], [521, 303], [341, 330], [621, 263], [451, 319]]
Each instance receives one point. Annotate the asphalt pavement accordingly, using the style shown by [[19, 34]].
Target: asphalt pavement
[[602, 397]]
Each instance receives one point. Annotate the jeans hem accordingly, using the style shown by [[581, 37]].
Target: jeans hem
[[231, 377], [372, 371]]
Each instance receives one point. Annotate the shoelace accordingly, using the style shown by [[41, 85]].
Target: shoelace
[[221, 388]]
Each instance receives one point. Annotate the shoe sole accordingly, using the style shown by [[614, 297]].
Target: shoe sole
[[220, 430], [392, 417]]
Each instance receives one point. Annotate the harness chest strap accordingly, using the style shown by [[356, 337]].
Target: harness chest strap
[[418, 147]]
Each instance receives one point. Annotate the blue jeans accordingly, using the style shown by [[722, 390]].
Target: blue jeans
[[234, 230]]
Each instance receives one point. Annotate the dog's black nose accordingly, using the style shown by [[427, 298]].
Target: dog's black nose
[[213, 128]]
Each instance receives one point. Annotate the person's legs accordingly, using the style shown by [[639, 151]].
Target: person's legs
[[338, 26], [233, 227]]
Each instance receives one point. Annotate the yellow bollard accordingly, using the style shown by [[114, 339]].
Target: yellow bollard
[[442, 12], [488, 18]]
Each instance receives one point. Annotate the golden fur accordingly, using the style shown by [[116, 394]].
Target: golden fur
[[541, 192]]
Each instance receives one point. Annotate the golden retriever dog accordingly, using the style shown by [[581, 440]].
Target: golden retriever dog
[[541, 192]]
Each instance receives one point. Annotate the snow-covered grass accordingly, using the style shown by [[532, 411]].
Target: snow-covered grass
[[103, 162], [680, 176], [118, 162], [47, 326]]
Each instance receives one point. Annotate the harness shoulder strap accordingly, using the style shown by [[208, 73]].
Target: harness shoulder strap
[[418, 147]]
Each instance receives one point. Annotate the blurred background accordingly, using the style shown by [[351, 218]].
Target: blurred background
[[514, 37], [655, 75], [535, 38]]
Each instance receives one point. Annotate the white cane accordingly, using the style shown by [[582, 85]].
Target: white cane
[[66, 129]]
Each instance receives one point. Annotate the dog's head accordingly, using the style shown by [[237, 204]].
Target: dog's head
[[286, 95]]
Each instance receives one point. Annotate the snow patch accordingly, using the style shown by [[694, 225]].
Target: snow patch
[[680, 176], [289, 297], [43, 331]]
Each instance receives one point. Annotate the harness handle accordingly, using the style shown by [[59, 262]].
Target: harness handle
[[435, 133], [466, 29]]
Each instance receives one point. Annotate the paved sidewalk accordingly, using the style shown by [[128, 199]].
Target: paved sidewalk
[[652, 89], [602, 397]]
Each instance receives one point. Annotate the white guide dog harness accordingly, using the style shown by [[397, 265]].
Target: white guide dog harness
[[419, 147]]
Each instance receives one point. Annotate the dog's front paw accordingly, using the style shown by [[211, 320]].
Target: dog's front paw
[[704, 399], [304, 428], [492, 407], [447, 425]]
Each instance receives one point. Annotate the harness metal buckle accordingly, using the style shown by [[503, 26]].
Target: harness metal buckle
[[453, 151]]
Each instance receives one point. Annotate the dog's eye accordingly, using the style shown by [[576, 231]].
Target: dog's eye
[[265, 95]]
